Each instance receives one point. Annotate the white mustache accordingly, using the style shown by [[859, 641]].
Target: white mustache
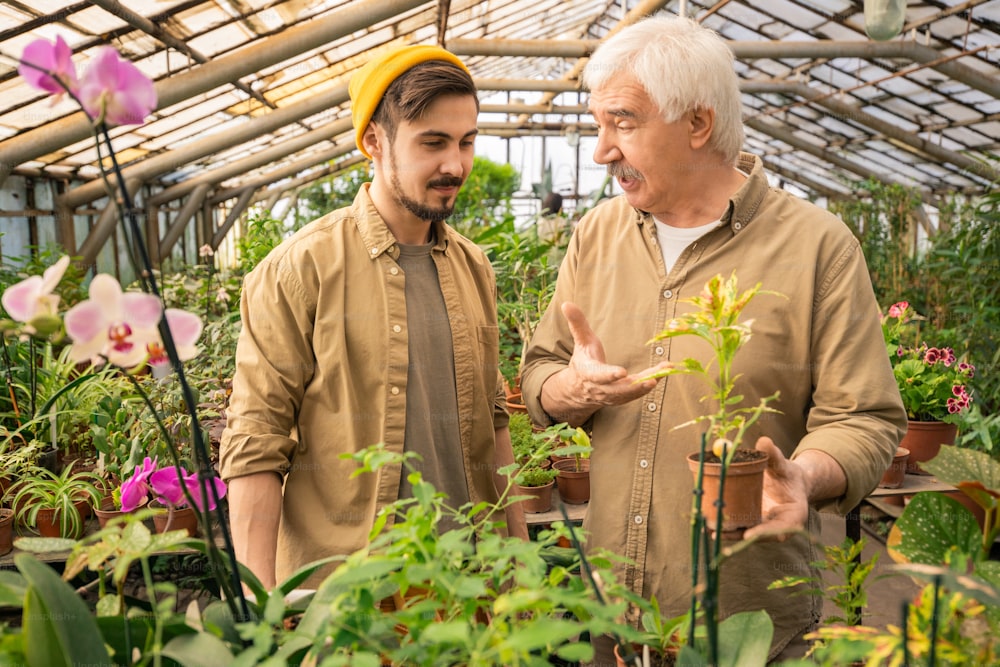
[[619, 170]]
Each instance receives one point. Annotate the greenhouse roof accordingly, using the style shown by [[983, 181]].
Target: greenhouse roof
[[253, 93]]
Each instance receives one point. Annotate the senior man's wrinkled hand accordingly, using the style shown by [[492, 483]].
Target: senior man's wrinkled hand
[[785, 507]]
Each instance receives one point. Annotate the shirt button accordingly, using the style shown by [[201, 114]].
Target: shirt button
[[397, 328], [638, 519], [374, 251], [651, 407], [737, 226], [667, 294], [658, 350], [394, 270], [644, 463], [394, 391]]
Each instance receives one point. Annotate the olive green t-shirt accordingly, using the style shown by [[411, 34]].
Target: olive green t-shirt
[[431, 403]]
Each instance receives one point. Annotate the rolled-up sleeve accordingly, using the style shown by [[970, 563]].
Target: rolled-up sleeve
[[856, 415], [275, 364]]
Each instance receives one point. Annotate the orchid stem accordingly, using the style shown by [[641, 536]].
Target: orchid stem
[[233, 588]]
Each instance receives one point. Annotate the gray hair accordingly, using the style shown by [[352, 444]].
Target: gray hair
[[682, 66]]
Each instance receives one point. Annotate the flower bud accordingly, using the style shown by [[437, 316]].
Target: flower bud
[[721, 446], [45, 325]]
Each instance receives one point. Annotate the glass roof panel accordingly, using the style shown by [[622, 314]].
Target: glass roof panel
[[934, 93]]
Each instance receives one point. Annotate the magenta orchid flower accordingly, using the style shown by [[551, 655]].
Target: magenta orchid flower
[[116, 91], [32, 297], [49, 66], [113, 324], [136, 488], [169, 485]]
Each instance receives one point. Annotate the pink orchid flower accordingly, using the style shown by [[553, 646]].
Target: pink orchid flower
[[116, 91], [49, 66], [167, 484], [113, 324], [136, 488], [32, 297]]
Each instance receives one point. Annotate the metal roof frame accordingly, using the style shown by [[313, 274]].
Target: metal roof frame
[[253, 99]]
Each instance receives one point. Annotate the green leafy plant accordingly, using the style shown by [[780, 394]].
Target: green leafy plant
[[932, 381], [120, 435], [575, 442], [416, 595], [884, 223], [526, 267], [716, 320], [851, 573], [262, 235], [42, 489], [533, 475], [956, 617], [522, 437], [959, 283]]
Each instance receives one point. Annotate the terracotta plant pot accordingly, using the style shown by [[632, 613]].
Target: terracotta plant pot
[[106, 512], [47, 522], [895, 475], [6, 530], [573, 484], [182, 518], [924, 440], [541, 497], [744, 490], [515, 403]]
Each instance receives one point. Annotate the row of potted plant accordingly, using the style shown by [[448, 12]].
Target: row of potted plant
[[555, 456]]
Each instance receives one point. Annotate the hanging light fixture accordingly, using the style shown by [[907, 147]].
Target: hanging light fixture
[[884, 18]]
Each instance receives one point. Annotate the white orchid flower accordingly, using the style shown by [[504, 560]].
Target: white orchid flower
[[112, 324], [123, 327], [185, 329], [32, 298]]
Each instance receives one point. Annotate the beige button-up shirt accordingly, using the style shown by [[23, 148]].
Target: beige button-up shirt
[[821, 347], [321, 368]]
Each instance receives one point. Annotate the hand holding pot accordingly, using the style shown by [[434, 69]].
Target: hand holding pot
[[790, 486], [786, 498]]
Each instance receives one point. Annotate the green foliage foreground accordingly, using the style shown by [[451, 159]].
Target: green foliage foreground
[[414, 596]]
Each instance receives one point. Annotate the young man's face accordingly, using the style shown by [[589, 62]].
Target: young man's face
[[431, 157]]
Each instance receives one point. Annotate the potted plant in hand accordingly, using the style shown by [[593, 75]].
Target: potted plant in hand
[[725, 470], [933, 384], [56, 505]]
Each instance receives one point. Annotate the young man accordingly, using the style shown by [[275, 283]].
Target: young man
[[667, 104], [375, 323]]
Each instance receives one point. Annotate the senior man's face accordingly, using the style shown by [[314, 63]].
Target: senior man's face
[[639, 148], [432, 156]]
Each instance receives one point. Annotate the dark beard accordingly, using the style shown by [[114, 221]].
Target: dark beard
[[422, 211]]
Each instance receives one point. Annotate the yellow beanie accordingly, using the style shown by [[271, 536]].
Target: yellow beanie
[[368, 84]]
